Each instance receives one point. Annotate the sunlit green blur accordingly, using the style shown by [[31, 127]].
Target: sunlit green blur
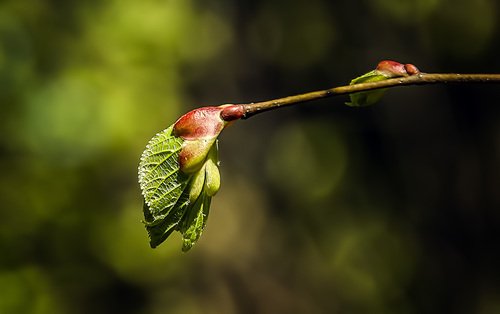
[[322, 208]]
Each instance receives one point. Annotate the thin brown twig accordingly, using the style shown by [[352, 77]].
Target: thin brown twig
[[252, 109]]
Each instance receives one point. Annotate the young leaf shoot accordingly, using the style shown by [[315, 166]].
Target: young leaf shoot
[[179, 169]]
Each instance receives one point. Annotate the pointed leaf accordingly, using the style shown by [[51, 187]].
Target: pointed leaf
[[173, 199], [194, 222], [163, 186]]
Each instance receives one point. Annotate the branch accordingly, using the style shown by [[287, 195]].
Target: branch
[[417, 79], [185, 155]]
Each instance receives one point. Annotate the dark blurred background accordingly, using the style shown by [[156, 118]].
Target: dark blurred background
[[324, 208]]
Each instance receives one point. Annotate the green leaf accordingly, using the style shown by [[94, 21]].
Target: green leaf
[[362, 99], [195, 221], [174, 200]]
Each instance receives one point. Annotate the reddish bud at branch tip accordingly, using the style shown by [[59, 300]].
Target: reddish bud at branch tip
[[206, 121], [198, 123], [391, 68], [199, 129]]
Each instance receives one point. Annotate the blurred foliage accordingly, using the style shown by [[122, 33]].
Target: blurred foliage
[[323, 208]]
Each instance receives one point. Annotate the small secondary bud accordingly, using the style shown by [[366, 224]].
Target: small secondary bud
[[193, 154], [197, 183], [212, 175], [411, 69], [232, 112]]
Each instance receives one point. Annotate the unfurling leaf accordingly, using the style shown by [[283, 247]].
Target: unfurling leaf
[[179, 174], [163, 185], [385, 70], [362, 99]]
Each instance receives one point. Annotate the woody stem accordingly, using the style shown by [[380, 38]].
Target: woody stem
[[252, 109]]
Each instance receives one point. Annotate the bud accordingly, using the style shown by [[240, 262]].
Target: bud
[[411, 69], [386, 69], [179, 174], [199, 129], [212, 175], [391, 69]]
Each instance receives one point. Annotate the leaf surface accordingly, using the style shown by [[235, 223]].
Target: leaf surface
[[362, 99], [174, 200], [163, 185]]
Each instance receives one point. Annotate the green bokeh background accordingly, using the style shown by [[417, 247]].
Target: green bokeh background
[[323, 208]]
